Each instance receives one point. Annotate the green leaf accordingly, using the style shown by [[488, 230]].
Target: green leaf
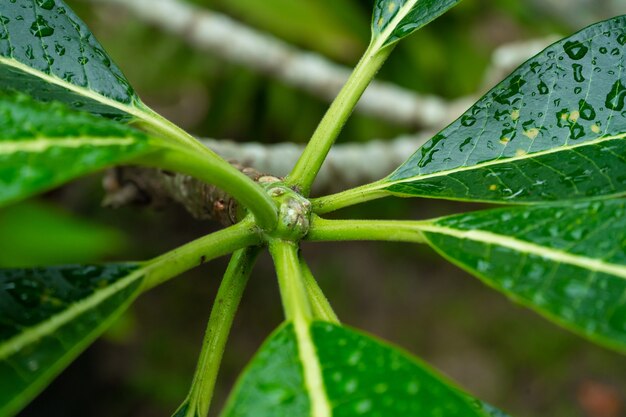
[[395, 19], [48, 316], [359, 376], [566, 261], [49, 53], [43, 145], [553, 130]]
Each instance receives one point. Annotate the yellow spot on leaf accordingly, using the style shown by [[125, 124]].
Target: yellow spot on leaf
[[520, 152], [595, 128], [532, 133], [380, 22], [564, 116], [493, 187], [391, 7], [573, 116], [515, 115], [505, 140]]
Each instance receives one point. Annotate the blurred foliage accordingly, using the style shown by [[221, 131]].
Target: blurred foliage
[[144, 366], [36, 234]]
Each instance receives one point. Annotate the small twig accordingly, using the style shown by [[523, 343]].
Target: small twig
[[347, 165]]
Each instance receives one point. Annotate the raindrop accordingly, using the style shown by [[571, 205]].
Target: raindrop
[[534, 66], [543, 88], [575, 50], [578, 73], [615, 51], [468, 121], [363, 406], [59, 49], [83, 60], [603, 50], [616, 97], [576, 131], [4, 20], [29, 52], [46, 4], [464, 144], [587, 112], [41, 28], [103, 57], [578, 90], [622, 39]]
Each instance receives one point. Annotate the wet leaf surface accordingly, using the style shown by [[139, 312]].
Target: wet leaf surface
[[47, 51], [49, 315], [567, 262], [43, 145], [396, 19], [360, 376], [553, 130]]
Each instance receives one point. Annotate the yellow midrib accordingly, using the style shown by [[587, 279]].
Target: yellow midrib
[[501, 161], [556, 255], [42, 144]]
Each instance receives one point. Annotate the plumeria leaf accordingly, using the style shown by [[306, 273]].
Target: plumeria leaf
[[566, 261], [48, 52], [555, 129], [395, 19], [48, 316], [357, 376], [43, 145]]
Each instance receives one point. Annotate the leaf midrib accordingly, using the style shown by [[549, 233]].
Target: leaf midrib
[[529, 248], [393, 23], [143, 113], [42, 144], [500, 161], [56, 321]]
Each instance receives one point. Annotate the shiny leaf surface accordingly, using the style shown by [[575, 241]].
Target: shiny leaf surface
[[43, 145], [553, 130], [48, 316], [395, 19], [567, 262], [47, 51], [360, 377]]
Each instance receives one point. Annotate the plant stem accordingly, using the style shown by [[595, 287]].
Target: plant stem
[[381, 230], [319, 303], [311, 160], [158, 125], [179, 260], [219, 173], [349, 197], [221, 319], [290, 281]]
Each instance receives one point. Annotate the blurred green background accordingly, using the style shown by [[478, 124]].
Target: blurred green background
[[405, 293]]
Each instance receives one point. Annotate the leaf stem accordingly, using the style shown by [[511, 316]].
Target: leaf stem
[[319, 303], [381, 230], [290, 280], [349, 197], [311, 160], [186, 257], [222, 314], [158, 125], [219, 173]]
